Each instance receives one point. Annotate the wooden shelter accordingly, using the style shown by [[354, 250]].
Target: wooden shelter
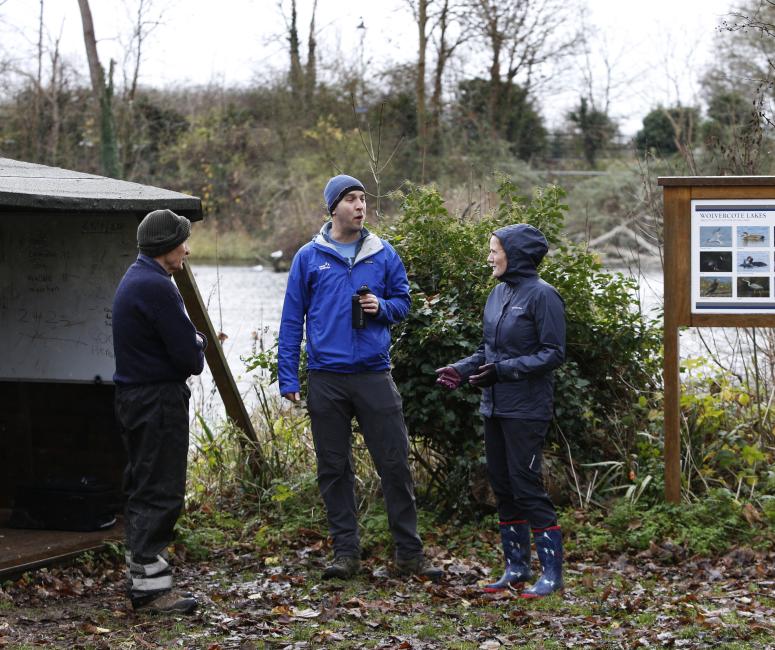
[[66, 239]]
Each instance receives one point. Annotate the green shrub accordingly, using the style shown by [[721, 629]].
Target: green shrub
[[705, 527]]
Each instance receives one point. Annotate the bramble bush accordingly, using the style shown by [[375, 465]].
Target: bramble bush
[[612, 348]]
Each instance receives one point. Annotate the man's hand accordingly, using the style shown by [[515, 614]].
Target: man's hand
[[486, 376], [369, 303], [448, 377], [292, 397]]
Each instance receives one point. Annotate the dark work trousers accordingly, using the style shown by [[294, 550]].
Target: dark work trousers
[[372, 397], [514, 450], [154, 423]]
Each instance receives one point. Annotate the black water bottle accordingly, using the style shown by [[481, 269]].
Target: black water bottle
[[359, 316]]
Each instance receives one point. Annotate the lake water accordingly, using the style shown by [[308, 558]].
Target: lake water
[[246, 303]]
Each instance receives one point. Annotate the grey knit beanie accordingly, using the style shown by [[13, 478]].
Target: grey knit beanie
[[161, 231]]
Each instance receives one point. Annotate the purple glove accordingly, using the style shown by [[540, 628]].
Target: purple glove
[[486, 376], [448, 377]]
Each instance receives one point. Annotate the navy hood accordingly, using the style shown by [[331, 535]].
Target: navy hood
[[525, 247]]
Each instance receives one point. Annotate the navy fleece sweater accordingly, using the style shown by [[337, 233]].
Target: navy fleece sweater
[[153, 338]]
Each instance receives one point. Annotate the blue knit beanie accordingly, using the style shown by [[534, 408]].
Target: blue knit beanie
[[337, 187]]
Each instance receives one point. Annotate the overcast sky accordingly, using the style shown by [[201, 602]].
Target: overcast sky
[[659, 48]]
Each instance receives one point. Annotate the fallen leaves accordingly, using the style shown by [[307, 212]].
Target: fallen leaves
[[654, 598]]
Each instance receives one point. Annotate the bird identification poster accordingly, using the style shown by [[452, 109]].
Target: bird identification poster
[[733, 256]]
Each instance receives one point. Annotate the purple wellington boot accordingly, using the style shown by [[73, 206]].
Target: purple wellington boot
[[548, 543], [515, 537]]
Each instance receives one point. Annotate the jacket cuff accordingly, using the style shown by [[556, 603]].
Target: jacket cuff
[[505, 372]]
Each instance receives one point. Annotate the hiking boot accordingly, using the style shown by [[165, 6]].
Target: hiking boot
[[343, 567], [420, 566], [168, 602]]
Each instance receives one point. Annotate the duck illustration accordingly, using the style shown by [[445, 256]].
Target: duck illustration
[[716, 263], [746, 236], [750, 263]]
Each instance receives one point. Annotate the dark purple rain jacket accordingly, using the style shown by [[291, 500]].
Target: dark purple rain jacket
[[524, 332]]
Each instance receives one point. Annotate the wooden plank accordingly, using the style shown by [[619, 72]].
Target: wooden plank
[[677, 227], [25, 549], [224, 381], [758, 191], [677, 233], [733, 320], [715, 181]]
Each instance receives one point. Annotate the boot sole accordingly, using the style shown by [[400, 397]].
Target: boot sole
[[516, 586], [533, 596]]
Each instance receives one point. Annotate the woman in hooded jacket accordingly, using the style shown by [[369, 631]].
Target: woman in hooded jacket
[[523, 342]]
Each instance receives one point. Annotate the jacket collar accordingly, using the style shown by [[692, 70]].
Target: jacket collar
[[151, 264], [368, 244]]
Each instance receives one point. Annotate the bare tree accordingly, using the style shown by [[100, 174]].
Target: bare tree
[[302, 79], [145, 16], [102, 90], [451, 14], [523, 35], [434, 19], [310, 78]]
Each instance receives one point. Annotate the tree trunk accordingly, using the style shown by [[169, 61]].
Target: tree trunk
[[310, 80], [103, 94], [296, 77], [422, 23], [496, 46]]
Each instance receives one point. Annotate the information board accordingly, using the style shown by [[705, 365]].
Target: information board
[[58, 275], [732, 256]]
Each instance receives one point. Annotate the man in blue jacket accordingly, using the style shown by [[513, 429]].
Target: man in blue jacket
[[157, 348], [343, 270]]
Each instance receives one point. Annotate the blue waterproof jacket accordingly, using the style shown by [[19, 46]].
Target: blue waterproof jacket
[[524, 333], [320, 289]]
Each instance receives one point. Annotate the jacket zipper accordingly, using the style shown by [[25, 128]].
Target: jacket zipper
[[505, 305]]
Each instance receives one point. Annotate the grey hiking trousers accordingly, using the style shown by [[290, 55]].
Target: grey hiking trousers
[[372, 398]]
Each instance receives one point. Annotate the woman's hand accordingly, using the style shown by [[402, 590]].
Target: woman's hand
[[448, 377], [486, 376]]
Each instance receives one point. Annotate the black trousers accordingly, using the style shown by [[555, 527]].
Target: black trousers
[[514, 450], [372, 398], [154, 423]]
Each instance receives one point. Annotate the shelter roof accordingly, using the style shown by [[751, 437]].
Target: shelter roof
[[27, 186]]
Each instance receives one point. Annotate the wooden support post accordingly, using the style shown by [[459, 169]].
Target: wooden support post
[[677, 290], [672, 403], [216, 360]]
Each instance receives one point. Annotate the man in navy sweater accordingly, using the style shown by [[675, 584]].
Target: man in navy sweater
[[157, 348]]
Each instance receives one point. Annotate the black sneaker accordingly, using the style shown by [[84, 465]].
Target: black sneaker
[[169, 602], [343, 567], [420, 566]]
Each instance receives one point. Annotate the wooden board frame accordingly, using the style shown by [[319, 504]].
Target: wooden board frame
[[679, 192]]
